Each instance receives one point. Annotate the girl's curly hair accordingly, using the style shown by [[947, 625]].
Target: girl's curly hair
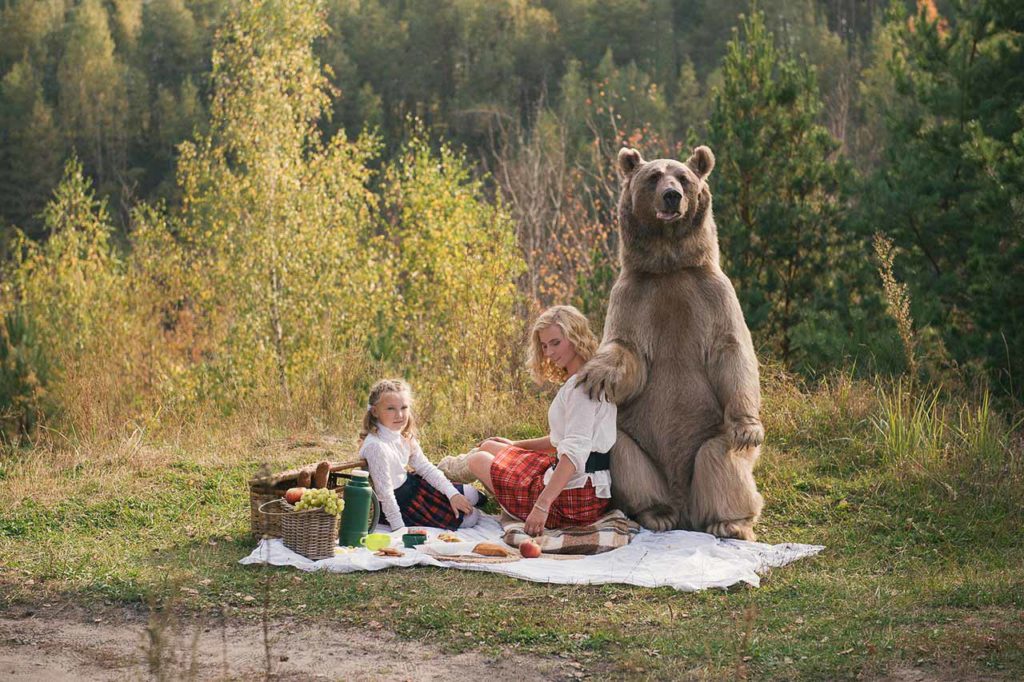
[[575, 328]]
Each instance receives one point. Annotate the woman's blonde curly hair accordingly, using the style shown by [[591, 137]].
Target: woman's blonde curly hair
[[575, 328], [378, 391]]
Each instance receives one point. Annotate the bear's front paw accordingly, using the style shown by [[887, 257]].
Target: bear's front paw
[[747, 434], [657, 518], [598, 380]]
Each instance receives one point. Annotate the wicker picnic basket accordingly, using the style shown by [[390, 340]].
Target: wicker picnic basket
[[313, 533], [266, 486]]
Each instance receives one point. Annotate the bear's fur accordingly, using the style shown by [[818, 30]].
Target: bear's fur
[[677, 358]]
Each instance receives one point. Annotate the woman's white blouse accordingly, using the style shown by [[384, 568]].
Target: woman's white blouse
[[580, 426], [387, 455]]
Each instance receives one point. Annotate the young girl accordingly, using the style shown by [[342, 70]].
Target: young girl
[[389, 445], [572, 487]]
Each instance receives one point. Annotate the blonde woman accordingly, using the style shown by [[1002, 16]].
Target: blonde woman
[[560, 479]]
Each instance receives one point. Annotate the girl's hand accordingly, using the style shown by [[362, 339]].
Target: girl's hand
[[460, 505], [496, 439], [535, 521]]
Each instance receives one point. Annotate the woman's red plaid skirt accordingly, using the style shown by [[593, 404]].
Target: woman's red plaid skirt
[[518, 478]]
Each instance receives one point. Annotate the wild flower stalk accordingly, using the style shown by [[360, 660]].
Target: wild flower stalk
[[897, 300]]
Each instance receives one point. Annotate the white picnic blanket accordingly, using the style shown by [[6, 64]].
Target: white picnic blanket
[[685, 560]]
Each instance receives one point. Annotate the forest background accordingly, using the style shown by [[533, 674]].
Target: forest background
[[214, 207]]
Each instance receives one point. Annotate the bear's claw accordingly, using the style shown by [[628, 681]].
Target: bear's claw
[[656, 520], [740, 530], [597, 381], [747, 435]]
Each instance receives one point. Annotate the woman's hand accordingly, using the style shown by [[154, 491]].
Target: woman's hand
[[460, 505], [535, 521], [496, 439]]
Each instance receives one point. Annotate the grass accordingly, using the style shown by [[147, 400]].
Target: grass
[[920, 519]]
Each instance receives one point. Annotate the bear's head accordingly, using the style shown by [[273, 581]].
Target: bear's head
[[665, 220]]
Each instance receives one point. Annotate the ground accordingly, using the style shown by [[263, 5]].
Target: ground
[[64, 642]]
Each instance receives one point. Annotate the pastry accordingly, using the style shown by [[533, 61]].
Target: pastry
[[491, 549]]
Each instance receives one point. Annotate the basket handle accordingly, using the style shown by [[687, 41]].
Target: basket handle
[[351, 464], [276, 501]]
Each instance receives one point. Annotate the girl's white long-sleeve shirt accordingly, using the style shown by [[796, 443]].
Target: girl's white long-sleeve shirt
[[579, 426], [387, 455]]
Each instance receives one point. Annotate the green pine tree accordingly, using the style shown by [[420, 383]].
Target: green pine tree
[[777, 192], [948, 188], [93, 96], [31, 149]]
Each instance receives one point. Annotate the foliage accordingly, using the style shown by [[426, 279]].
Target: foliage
[[24, 375], [778, 185], [948, 190], [279, 282], [68, 292], [30, 147], [357, 180], [277, 220], [449, 275], [93, 93]]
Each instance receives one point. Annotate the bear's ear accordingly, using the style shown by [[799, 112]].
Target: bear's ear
[[629, 161], [701, 162]]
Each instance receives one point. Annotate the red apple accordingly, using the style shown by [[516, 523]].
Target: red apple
[[294, 495], [529, 549]]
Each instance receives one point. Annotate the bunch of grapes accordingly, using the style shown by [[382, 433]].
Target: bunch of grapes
[[323, 498]]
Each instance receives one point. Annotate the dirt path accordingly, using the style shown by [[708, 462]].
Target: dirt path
[[68, 645]]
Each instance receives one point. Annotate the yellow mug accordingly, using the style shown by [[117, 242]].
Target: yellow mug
[[375, 541]]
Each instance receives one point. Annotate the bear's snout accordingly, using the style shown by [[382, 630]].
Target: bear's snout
[[670, 203], [672, 197]]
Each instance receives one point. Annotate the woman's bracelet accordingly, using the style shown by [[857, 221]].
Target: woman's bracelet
[[537, 505]]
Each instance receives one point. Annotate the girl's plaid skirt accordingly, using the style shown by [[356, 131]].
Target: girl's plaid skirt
[[422, 504], [518, 477]]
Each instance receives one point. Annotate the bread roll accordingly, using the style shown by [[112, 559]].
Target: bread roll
[[491, 549]]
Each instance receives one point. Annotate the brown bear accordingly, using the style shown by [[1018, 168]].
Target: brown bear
[[677, 358]]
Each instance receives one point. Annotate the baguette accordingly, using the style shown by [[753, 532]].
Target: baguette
[[320, 475]]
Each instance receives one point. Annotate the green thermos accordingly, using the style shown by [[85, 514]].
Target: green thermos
[[361, 513]]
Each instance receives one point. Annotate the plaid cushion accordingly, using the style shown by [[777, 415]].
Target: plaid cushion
[[518, 477], [611, 531], [422, 504]]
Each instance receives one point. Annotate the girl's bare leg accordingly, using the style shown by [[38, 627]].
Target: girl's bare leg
[[492, 446], [480, 464]]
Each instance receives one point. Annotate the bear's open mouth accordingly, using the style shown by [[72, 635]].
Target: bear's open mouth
[[669, 216]]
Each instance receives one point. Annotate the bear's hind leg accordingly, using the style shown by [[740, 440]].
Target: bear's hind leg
[[638, 488], [723, 496]]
